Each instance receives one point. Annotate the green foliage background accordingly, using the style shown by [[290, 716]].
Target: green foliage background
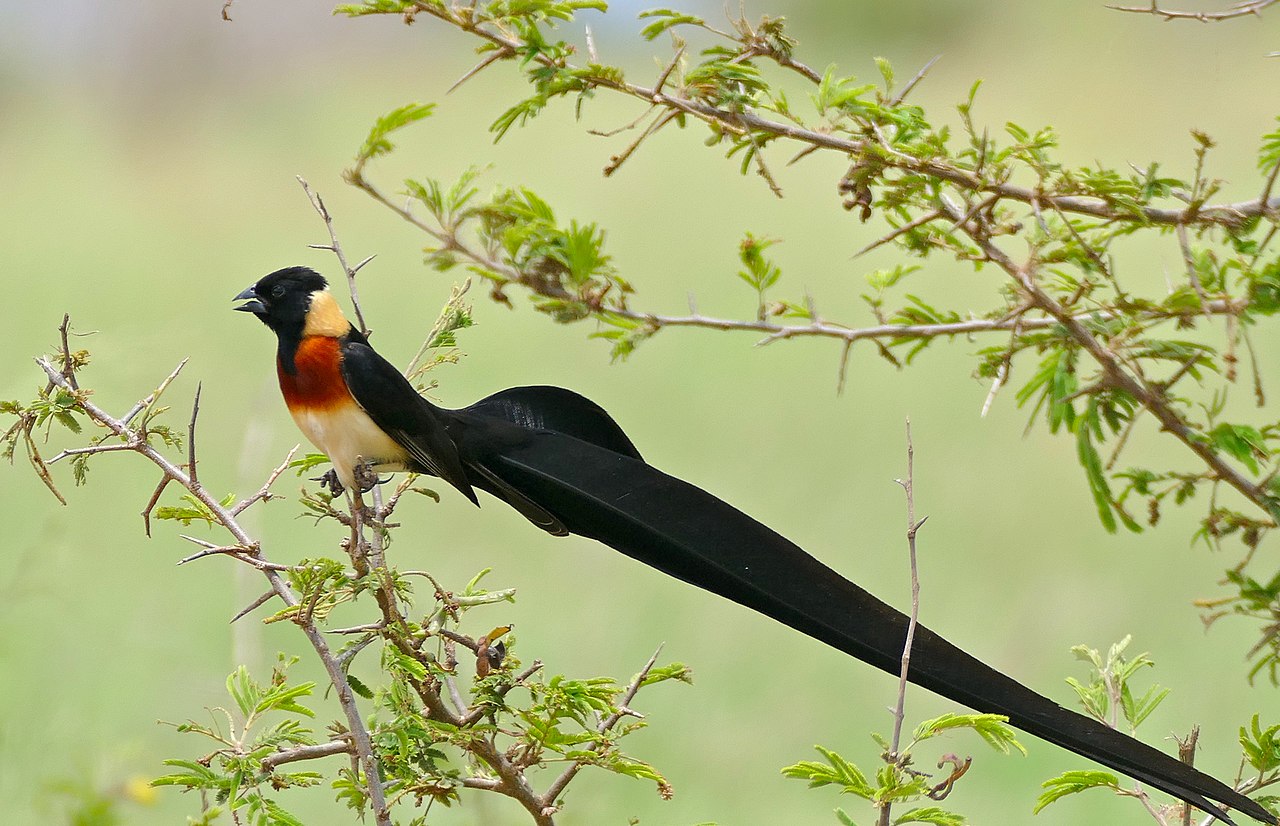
[[148, 156]]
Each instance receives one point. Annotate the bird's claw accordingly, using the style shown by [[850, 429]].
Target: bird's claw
[[365, 477], [330, 480]]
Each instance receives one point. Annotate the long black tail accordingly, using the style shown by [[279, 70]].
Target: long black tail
[[601, 492]]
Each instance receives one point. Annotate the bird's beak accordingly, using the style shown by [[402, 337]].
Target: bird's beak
[[253, 305]]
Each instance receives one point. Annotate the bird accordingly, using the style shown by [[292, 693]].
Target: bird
[[563, 463]]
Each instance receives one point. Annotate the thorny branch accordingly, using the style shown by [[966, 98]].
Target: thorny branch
[[1241, 9], [743, 122], [774, 331], [1151, 397], [251, 553]]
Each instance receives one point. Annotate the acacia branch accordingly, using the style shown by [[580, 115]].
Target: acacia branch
[[1152, 397], [449, 240], [742, 122], [558, 785], [346, 698]]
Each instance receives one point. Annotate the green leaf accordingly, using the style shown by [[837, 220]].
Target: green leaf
[[886, 72], [196, 776], [667, 19], [931, 814], [1074, 782], [1269, 154], [373, 7], [1261, 746], [1096, 476], [243, 690], [358, 686], [993, 728], [1241, 442], [836, 771], [377, 143], [284, 698]]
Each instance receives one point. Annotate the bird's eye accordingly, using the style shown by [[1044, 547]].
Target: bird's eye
[[278, 292]]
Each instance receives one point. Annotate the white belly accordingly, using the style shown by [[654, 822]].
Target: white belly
[[347, 435]]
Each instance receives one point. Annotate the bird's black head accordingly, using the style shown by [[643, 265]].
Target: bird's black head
[[282, 299]]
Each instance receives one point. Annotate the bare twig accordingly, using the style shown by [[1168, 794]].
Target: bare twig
[[152, 502], [1241, 9], [911, 84], [493, 57], [899, 708], [68, 368], [305, 753], [264, 493], [191, 435], [91, 450], [1189, 259], [336, 248], [1187, 754], [253, 606]]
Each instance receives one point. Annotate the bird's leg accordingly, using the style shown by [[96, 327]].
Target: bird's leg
[[330, 480]]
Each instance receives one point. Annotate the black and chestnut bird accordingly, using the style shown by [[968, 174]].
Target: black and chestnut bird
[[563, 463]]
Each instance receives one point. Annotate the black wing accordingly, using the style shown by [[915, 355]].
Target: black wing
[[395, 406], [686, 532]]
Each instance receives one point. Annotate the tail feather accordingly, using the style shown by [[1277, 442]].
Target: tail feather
[[687, 533]]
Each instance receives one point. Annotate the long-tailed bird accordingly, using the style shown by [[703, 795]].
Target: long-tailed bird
[[562, 462]]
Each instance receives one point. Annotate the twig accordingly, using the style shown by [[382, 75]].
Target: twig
[[911, 84], [451, 307], [253, 606], [264, 493], [1187, 754], [1242, 9], [899, 231], [336, 248], [152, 502], [191, 435], [616, 161], [67, 370], [305, 753], [558, 785], [493, 57], [899, 708], [92, 449], [1189, 259], [737, 122]]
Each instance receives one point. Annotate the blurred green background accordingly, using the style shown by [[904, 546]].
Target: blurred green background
[[148, 153]]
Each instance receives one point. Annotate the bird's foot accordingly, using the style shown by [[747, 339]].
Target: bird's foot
[[365, 477], [331, 482]]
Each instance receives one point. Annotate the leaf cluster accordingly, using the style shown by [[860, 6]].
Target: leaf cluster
[[898, 781]]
